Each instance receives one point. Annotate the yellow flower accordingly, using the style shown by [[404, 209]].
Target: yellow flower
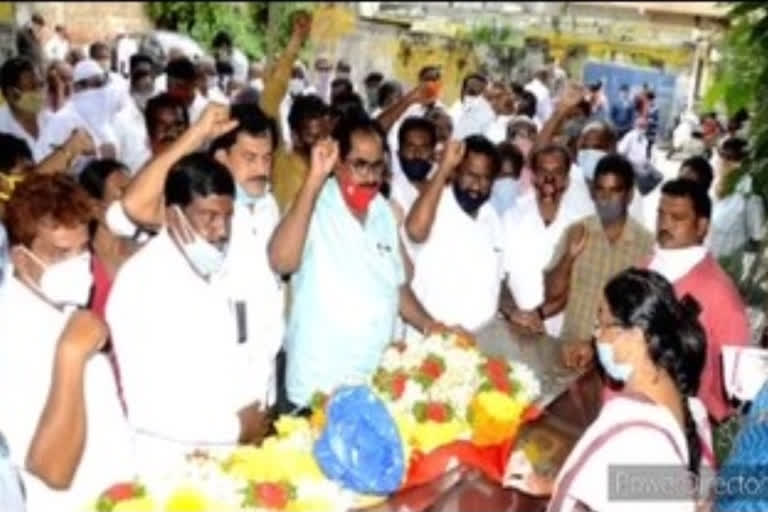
[[274, 461], [143, 504], [286, 426], [187, 499], [429, 435], [318, 419], [312, 504], [495, 417]]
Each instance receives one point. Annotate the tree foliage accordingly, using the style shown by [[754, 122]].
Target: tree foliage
[[742, 82], [258, 28]]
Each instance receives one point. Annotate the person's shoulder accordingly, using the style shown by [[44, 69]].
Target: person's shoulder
[[719, 279], [133, 271]]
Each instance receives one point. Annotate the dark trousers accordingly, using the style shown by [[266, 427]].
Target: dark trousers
[[284, 406]]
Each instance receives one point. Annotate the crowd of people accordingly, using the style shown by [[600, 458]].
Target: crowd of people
[[186, 255]]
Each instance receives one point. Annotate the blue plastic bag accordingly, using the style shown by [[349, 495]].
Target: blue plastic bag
[[360, 447]]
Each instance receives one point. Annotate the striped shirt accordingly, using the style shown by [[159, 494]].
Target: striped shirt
[[594, 267]]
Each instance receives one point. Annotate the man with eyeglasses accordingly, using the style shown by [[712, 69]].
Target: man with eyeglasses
[[339, 238], [88, 110]]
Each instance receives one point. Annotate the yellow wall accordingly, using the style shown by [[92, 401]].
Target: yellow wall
[[6, 12]]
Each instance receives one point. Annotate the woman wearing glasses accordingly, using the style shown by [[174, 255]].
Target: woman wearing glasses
[[650, 438]]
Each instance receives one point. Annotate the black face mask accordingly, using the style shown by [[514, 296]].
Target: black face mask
[[468, 203], [415, 169]]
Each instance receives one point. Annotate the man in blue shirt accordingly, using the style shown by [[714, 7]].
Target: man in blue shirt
[[623, 112], [340, 241]]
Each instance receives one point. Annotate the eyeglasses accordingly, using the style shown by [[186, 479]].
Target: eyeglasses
[[361, 167], [609, 325]]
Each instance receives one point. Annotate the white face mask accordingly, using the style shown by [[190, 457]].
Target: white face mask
[[471, 101], [206, 259], [257, 83], [296, 86], [67, 282], [212, 82], [94, 106], [587, 160], [673, 264]]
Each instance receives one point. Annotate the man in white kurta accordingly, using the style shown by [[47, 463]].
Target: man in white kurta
[[34, 314], [88, 110], [530, 242], [458, 269], [29, 334], [189, 353]]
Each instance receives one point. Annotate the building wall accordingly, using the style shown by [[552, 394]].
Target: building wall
[[392, 50], [89, 21]]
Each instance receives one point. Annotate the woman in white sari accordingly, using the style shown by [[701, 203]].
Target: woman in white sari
[[652, 346]]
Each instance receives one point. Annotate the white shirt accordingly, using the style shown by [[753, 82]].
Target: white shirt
[[29, 334], [633, 447], [197, 107], [161, 83], [474, 117], [736, 219], [8, 124], [185, 375], [634, 146], [216, 95], [133, 140], [60, 126], [543, 99], [56, 48], [239, 65], [458, 271], [252, 281], [529, 248], [285, 128], [120, 91], [497, 131]]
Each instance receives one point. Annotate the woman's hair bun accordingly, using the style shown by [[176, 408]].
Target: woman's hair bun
[[691, 306]]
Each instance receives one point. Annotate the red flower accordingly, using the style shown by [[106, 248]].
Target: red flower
[[495, 367], [501, 382], [271, 495], [432, 367], [398, 385], [437, 412], [122, 491]]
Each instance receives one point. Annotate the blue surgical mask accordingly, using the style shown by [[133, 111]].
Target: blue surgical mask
[[588, 159], [504, 193], [620, 372], [244, 198]]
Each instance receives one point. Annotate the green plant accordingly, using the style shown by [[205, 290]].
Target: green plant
[[742, 82], [258, 28]]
